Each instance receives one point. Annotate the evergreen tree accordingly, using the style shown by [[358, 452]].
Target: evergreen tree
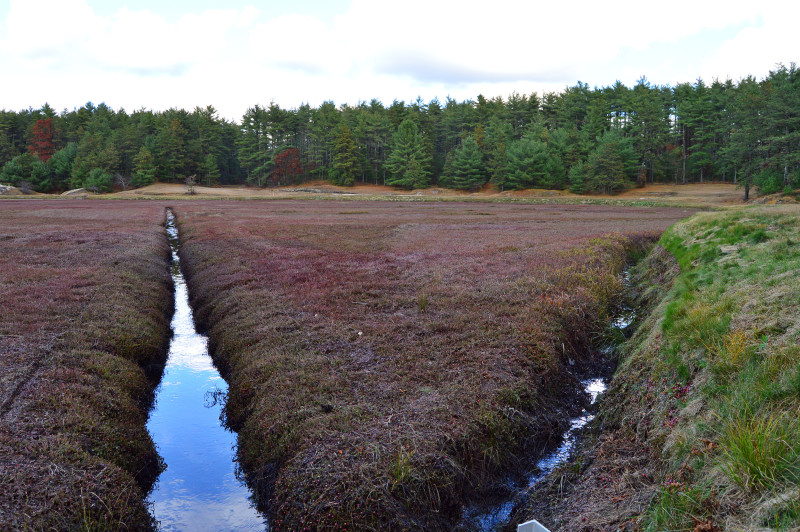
[[171, 154], [253, 146], [41, 178], [531, 163], [61, 165], [577, 179], [346, 160], [144, 168], [98, 180], [409, 163], [324, 122], [748, 132], [94, 151], [467, 171], [210, 170], [648, 127], [17, 169], [611, 165]]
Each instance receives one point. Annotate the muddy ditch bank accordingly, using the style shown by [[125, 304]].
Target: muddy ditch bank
[[609, 479], [388, 373], [503, 509]]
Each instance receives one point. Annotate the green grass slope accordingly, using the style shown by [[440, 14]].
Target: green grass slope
[[730, 341], [700, 428]]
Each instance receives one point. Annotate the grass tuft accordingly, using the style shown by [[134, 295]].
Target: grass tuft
[[762, 451]]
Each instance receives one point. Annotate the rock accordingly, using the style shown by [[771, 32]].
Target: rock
[[76, 193], [8, 190]]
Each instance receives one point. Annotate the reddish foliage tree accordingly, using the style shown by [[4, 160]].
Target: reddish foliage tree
[[42, 141], [287, 165]]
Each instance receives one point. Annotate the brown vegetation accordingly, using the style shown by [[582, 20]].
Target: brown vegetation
[[706, 195], [387, 361], [84, 298]]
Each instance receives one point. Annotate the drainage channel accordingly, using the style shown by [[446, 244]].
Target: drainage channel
[[496, 516], [199, 490]]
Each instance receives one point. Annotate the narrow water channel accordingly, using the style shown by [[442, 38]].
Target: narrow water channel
[[494, 517], [199, 489]]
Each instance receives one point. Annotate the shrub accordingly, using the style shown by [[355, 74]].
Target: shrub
[[98, 180], [768, 181]]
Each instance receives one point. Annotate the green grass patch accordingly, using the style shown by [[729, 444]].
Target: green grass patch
[[760, 451], [729, 325], [680, 506]]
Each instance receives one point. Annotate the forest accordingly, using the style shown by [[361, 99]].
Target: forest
[[599, 140]]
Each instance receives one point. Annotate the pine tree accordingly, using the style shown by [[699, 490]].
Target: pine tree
[[611, 165], [346, 160], [409, 163], [530, 163], [144, 168], [467, 171], [61, 165], [210, 170], [577, 179]]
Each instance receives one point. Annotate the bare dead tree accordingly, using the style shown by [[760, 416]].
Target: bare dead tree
[[191, 181]]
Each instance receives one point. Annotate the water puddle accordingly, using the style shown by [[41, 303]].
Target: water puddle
[[199, 489]]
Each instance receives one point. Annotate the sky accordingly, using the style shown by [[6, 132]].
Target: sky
[[157, 54]]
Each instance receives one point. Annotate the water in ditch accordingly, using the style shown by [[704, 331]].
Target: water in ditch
[[199, 490], [496, 516]]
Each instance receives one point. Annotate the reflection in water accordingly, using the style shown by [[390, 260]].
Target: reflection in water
[[199, 489]]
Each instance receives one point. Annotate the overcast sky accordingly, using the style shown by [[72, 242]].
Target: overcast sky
[[165, 53]]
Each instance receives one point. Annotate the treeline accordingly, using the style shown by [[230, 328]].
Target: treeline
[[586, 140]]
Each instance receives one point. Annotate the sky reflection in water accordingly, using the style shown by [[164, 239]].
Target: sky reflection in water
[[199, 490]]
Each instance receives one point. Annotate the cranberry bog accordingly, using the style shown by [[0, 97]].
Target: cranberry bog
[[388, 362], [85, 297]]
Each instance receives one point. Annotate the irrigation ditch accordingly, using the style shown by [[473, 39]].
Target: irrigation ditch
[[200, 489], [502, 511]]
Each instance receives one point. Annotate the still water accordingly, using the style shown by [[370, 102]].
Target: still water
[[199, 489]]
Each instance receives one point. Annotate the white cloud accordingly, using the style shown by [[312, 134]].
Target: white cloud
[[43, 30], [773, 41], [64, 52], [70, 35], [298, 43]]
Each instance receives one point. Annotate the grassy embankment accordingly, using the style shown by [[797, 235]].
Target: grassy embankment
[[702, 422], [387, 361], [85, 298]]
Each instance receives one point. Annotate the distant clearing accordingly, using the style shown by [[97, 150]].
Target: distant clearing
[[708, 195]]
